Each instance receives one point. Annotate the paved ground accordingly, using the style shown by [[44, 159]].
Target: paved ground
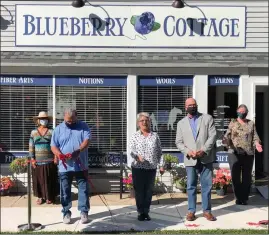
[[167, 214]]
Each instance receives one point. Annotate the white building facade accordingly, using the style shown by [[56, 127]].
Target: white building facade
[[111, 60]]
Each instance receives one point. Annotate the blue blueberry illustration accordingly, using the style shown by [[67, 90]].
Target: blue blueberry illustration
[[144, 23]]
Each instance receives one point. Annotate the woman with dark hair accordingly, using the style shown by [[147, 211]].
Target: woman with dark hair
[[242, 139]]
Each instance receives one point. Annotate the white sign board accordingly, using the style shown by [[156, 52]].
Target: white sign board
[[118, 26]]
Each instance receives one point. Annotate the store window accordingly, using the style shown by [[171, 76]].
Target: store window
[[21, 98], [163, 97], [101, 103], [222, 105]]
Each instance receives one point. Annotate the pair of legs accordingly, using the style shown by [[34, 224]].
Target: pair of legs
[[83, 192], [206, 177], [241, 171], [143, 181]]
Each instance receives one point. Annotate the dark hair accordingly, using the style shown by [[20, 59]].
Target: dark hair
[[243, 106]]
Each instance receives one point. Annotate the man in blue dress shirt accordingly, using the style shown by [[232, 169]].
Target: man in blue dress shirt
[[73, 136]]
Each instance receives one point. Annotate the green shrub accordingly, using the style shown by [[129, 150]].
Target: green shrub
[[19, 165]]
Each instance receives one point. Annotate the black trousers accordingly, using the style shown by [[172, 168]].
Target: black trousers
[[241, 171], [143, 181]]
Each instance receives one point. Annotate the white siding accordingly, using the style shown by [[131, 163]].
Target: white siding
[[256, 33]]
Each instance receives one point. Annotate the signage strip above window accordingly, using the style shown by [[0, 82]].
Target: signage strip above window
[[166, 80], [94, 81], [25, 80], [223, 80]]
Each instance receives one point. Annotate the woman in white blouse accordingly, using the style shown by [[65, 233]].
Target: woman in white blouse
[[146, 151]]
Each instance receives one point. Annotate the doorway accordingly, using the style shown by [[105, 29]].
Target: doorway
[[261, 121]]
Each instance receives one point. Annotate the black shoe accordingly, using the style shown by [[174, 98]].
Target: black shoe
[[141, 217], [244, 203], [238, 202], [147, 217]]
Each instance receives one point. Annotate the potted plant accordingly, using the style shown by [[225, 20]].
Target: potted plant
[[159, 186], [19, 165], [169, 160], [5, 184], [128, 181], [181, 183], [221, 181]]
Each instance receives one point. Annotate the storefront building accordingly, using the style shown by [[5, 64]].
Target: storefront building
[[103, 61]]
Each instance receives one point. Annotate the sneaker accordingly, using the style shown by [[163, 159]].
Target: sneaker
[[84, 217], [67, 218]]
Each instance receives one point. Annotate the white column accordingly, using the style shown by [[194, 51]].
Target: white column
[[246, 94], [54, 101], [132, 99], [200, 92]]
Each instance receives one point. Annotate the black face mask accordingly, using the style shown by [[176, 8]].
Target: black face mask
[[70, 125], [242, 115], [192, 110]]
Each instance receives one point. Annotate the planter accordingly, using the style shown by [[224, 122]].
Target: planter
[[168, 166], [132, 193], [221, 191], [230, 189], [181, 187], [5, 192]]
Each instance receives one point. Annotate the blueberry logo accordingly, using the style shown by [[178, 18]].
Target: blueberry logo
[[145, 23]]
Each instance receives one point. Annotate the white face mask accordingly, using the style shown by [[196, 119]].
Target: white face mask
[[43, 122]]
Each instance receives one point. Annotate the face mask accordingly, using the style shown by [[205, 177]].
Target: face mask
[[192, 110], [242, 115], [71, 126], [43, 122]]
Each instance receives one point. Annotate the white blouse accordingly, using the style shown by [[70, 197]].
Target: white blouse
[[149, 148]]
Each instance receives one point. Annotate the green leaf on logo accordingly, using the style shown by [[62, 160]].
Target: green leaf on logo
[[133, 20], [156, 26]]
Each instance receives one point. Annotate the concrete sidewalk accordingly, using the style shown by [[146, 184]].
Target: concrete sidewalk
[[166, 213]]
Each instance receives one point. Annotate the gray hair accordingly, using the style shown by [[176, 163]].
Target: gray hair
[[70, 111], [243, 106], [143, 114]]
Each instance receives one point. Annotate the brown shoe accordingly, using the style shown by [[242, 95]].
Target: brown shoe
[[209, 216], [190, 216]]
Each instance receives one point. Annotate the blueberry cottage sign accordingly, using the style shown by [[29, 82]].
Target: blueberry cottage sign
[[130, 26]]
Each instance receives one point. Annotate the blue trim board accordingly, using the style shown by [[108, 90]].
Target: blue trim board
[[166, 80], [91, 80], [25, 80], [223, 80]]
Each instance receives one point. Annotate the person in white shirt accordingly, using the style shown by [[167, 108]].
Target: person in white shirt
[[146, 152]]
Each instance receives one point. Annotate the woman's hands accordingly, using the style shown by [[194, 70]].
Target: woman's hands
[[259, 147]]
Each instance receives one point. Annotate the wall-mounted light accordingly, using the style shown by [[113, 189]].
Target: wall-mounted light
[[178, 4], [78, 3]]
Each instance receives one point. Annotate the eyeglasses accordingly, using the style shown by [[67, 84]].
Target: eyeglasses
[[144, 120]]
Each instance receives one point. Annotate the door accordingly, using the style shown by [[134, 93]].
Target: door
[[259, 121]]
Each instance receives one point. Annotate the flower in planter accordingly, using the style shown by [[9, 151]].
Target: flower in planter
[[19, 165], [222, 179], [128, 181], [6, 183]]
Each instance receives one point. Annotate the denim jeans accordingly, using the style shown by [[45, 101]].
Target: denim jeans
[[206, 177], [83, 191], [143, 181]]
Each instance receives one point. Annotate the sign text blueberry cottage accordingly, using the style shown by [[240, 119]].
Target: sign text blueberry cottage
[[130, 26]]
